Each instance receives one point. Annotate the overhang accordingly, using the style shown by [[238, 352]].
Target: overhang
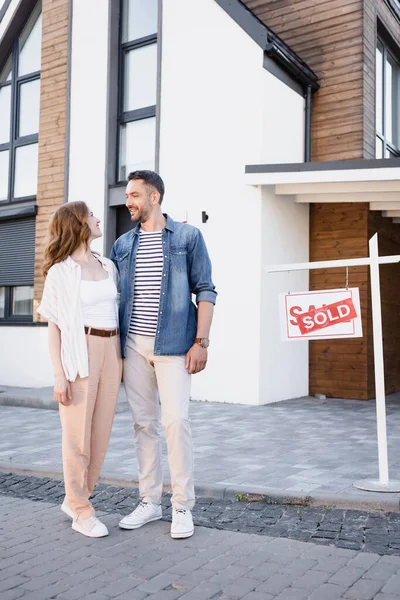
[[374, 181]]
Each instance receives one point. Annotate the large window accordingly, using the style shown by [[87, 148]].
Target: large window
[[138, 86], [19, 110], [387, 109]]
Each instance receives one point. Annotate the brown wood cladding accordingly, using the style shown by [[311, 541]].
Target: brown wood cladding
[[339, 368], [52, 130]]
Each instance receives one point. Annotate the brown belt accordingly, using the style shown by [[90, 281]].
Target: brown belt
[[101, 332]]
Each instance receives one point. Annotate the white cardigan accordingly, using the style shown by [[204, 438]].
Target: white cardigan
[[61, 304]]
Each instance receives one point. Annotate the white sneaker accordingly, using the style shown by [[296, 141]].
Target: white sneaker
[[144, 513], [182, 524], [91, 527], [66, 510]]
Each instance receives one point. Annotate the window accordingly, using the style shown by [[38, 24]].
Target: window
[[138, 86], [19, 109], [387, 99], [16, 304]]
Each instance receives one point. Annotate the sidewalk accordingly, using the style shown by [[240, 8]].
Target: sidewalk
[[297, 448]]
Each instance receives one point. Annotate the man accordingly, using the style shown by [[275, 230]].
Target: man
[[164, 340]]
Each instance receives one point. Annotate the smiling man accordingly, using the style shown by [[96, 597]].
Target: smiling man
[[164, 339]]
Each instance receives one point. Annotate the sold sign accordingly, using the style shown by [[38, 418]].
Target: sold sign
[[321, 315], [333, 314]]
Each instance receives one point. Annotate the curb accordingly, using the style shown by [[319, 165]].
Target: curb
[[44, 400], [221, 492]]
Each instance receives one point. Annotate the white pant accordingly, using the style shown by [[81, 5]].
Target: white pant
[[152, 382]]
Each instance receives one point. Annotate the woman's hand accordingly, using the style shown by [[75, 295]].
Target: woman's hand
[[62, 390]]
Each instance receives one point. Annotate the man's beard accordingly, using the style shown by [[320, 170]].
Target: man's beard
[[141, 217]]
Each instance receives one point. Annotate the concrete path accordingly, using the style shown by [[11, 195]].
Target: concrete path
[[41, 558], [303, 447]]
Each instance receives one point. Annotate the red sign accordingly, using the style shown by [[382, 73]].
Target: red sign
[[326, 316]]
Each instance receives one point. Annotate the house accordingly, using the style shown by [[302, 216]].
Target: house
[[229, 101]]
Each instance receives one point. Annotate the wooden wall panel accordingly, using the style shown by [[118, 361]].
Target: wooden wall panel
[[52, 128], [339, 368]]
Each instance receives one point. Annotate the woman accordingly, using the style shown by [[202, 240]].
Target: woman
[[80, 302]]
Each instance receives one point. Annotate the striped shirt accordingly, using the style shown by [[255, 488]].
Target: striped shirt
[[147, 289]]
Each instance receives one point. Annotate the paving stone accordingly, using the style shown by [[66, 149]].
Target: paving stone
[[276, 583], [196, 577], [133, 595], [158, 583], [331, 564], [229, 575], [189, 565], [328, 591], [381, 570], [13, 594], [32, 585], [293, 594], [311, 580], [392, 586], [204, 592], [264, 571], [12, 582], [241, 587], [364, 589], [346, 576]]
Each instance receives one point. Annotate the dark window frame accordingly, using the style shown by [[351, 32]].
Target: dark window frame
[[387, 51], [4, 8], [125, 117], [9, 318], [15, 141]]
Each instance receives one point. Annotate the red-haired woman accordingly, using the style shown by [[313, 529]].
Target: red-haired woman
[[80, 301]]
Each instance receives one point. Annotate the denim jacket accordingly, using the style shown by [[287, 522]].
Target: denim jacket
[[187, 271]]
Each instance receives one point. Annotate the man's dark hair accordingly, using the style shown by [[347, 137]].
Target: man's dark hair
[[150, 178]]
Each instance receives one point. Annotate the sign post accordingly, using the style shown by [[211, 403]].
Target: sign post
[[382, 484]]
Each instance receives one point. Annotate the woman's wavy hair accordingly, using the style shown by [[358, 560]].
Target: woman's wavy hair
[[68, 229]]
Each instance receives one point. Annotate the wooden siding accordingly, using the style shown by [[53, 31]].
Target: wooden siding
[[52, 129], [339, 368]]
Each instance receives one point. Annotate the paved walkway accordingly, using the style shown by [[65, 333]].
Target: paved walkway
[[41, 558], [294, 448]]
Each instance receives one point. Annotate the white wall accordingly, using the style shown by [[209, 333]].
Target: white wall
[[25, 360], [220, 110], [284, 365], [89, 89], [283, 123]]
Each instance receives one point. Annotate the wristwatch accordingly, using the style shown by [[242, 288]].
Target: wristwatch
[[203, 341]]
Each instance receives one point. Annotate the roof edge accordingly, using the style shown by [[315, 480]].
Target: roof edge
[[329, 165], [273, 46]]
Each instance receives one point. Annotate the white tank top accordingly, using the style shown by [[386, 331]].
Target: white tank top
[[99, 303]]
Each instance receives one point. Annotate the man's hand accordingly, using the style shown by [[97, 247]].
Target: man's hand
[[62, 390], [196, 359]]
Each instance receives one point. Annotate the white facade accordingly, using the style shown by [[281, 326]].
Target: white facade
[[88, 106], [219, 110], [25, 360]]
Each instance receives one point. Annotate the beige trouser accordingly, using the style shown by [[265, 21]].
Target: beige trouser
[[154, 385], [87, 421]]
